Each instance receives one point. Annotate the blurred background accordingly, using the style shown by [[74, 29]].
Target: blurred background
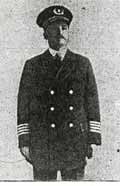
[[95, 33]]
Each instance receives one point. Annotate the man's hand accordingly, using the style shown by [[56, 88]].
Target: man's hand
[[89, 152], [26, 153]]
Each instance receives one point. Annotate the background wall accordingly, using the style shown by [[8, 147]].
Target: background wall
[[95, 33]]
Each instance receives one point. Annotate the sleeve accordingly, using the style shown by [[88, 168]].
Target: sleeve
[[23, 106], [93, 110]]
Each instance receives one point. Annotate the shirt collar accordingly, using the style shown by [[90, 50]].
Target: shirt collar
[[61, 53]]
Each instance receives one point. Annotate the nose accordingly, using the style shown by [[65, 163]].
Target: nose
[[60, 31]]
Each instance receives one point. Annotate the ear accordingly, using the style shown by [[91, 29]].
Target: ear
[[45, 35]]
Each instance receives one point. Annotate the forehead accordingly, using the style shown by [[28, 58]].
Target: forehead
[[57, 23]]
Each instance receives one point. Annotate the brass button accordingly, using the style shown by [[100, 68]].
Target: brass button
[[52, 108], [71, 108], [52, 92], [71, 91], [53, 125], [71, 125]]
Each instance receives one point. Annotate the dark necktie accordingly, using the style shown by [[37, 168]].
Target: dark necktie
[[57, 61]]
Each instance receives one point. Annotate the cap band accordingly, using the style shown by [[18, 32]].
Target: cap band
[[55, 18], [54, 13]]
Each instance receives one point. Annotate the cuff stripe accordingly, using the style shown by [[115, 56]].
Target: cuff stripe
[[23, 133], [95, 126], [91, 124], [94, 130], [23, 130], [95, 122], [23, 127], [24, 124]]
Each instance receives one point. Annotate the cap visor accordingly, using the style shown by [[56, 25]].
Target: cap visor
[[55, 18]]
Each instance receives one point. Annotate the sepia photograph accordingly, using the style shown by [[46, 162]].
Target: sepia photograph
[[60, 90]]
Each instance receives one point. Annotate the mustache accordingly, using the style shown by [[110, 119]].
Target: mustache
[[61, 36]]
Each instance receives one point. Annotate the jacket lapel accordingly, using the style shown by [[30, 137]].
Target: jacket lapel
[[67, 67]]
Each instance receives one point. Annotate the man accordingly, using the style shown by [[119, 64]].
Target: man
[[58, 107]]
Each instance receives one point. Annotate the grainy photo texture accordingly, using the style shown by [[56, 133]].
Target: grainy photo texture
[[60, 99]]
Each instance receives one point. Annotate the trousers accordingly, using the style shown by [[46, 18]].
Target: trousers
[[67, 175]]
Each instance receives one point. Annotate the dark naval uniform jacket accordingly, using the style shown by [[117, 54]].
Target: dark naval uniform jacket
[[58, 111]]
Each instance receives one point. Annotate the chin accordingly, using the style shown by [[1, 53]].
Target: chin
[[62, 43], [59, 45]]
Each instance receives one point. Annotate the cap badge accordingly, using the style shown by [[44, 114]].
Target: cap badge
[[58, 11]]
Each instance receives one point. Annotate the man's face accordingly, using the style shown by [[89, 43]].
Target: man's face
[[57, 34]]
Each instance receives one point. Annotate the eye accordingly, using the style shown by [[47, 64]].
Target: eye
[[64, 27]]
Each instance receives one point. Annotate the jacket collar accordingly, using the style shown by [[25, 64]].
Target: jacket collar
[[61, 53], [67, 66]]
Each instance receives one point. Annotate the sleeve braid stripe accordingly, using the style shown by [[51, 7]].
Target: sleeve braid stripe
[[20, 128], [95, 130], [21, 125], [95, 122], [25, 132], [98, 126]]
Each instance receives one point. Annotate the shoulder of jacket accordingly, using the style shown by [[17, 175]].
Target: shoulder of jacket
[[35, 59], [80, 58]]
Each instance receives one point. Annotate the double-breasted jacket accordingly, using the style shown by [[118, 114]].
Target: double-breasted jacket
[[58, 111]]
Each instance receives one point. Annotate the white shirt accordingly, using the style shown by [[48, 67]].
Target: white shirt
[[61, 53]]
